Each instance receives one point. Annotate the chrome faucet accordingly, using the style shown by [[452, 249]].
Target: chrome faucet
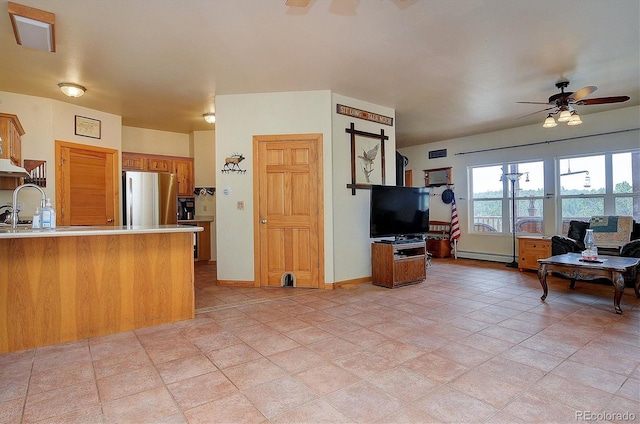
[[14, 212]]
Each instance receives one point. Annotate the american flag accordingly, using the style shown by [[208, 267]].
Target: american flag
[[455, 225]]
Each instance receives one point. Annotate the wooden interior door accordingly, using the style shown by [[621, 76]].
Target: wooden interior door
[[288, 212], [87, 185], [408, 178]]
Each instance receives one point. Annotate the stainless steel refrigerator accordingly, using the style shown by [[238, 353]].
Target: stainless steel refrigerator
[[149, 198]]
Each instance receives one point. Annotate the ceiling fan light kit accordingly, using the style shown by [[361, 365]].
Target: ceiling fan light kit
[[574, 119], [549, 122], [564, 116], [562, 103]]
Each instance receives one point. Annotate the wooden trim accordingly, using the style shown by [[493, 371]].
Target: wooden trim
[[236, 283], [15, 120], [361, 280]]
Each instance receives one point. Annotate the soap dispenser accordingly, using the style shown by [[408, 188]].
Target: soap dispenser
[[48, 219], [35, 222]]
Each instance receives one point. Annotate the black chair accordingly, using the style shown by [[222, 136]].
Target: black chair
[[573, 241], [631, 250]]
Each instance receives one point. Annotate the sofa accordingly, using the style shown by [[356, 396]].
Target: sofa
[[573, 242], [624, 242]]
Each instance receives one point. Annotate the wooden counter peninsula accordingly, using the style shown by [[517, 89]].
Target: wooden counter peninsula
[[73, 283]]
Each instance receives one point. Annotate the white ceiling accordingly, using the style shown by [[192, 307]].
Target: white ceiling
[[449, 68]]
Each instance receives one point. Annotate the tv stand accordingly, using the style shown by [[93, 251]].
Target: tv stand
[[398, 264]]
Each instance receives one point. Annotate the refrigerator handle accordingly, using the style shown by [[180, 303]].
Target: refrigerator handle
[[130, 200]]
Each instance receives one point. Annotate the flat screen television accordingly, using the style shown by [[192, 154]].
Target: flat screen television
[[400, 212]]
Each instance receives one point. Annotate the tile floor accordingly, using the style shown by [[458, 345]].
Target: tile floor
[[471, 344]]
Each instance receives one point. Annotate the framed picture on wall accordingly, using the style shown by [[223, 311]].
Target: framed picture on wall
[[367, 158], [87, 127]]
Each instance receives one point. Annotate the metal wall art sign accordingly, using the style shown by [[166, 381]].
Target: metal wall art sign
[[232, 164], [363, 114]]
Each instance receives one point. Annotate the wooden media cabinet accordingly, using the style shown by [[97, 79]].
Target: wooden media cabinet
[[396, 264]]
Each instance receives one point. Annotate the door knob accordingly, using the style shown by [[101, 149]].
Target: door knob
[[110, 220], [263, 221]]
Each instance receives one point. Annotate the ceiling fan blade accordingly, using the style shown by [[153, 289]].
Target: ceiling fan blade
[[582, 93], [297, 3], [534, 103], [603, 100], [533, 113]]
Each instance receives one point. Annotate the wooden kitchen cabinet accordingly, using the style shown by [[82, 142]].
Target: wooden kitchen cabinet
[[159, 164], [202, 251], [183, 168], [204, 242], [134, 161], [532, 248], [11, 132]]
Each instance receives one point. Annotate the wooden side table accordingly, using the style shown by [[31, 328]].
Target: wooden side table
[[532, 248], [439, 248]]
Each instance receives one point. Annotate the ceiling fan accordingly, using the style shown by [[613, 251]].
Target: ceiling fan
[[564, 102]]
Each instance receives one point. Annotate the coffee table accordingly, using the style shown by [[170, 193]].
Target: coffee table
[[571, 265]]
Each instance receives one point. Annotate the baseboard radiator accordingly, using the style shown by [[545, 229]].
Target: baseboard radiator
[[483, 256]]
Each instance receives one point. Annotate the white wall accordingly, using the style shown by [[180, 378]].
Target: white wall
[[141, 140], [346, 217], [238, 119], [45, 121], [498, 246], [352, 246]]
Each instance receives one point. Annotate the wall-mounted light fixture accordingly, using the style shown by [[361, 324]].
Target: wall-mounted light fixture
[[210, 118], [72, 90], [33, 28]]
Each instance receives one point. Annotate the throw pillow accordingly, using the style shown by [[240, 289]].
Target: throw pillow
[[577, 230]]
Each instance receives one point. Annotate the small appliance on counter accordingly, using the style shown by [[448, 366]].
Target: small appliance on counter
[[186, 208]]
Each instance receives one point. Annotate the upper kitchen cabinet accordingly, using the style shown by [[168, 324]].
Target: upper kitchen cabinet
[[159, 164], [134, 161], [10, 146], [183, 168]]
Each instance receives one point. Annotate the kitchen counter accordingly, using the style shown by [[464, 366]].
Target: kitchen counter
[[73, 283], [76, 231], [197, 218]]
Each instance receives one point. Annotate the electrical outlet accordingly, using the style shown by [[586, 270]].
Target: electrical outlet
[[240, 205], [204, 208]]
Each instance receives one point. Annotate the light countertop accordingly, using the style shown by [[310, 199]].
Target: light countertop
[[76, 231], [197, 218]]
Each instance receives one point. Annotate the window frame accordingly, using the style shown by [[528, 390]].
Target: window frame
[[506, 199], [609, 197]]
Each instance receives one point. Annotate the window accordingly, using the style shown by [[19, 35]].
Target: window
[[605, 184], [492, 197]]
